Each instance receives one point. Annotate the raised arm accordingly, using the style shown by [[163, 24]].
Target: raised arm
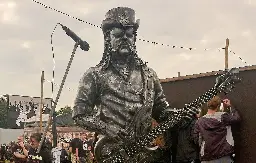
[[232, 117]]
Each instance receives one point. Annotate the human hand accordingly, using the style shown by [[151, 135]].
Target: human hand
[[226, 103]]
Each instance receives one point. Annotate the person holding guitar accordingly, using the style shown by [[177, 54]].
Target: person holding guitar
[[119, 97]]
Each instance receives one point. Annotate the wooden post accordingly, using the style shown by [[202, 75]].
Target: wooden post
[[226, 54], [41, 103]]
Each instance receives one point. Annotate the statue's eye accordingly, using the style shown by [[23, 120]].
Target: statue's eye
[[129, 32], [117, 32]]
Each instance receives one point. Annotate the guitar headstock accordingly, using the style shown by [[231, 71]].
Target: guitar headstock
[[227, 81]]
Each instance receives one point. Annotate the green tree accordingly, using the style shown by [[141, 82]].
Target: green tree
[[65, 111], [64, 116], [3, 113]]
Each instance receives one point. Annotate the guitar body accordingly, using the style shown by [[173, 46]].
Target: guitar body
[[104, 147], [107, 147]]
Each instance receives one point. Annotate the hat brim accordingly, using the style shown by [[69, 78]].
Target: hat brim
[[108, 24]]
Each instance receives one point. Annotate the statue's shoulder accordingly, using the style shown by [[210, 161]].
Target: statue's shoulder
[[93, 70], [91, 73], [149, 70]]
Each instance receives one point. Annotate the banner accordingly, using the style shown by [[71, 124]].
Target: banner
[[25, 109]]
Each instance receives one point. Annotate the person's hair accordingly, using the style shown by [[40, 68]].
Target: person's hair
[[203, 111], [214, 103], [36, 136]]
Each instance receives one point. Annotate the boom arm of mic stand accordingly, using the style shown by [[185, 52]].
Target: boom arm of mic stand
[[57, 97]]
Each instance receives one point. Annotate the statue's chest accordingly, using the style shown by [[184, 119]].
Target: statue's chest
[[115, 83]]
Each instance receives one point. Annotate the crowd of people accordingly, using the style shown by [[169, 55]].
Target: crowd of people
[[24, 150], [206, 139]]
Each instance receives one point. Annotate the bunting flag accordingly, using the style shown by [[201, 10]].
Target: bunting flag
[[231, 51], [140, 39], [97, 26]]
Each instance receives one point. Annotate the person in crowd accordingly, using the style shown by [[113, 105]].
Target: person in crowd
[[95, 139], [64, 155], [181, 147], [20, 151], [10, 151], [60, 155], [187, 150], [87, 147], [3, 152], [44, 156], [213, 132], [76, 149]]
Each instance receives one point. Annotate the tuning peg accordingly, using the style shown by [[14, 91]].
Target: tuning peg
[[234, 71]]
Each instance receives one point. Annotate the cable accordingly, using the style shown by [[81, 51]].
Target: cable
[[53, 60]]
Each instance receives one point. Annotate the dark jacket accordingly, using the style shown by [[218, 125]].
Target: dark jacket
[[45, 154], [187, 150], [141, 95], [213, 134]]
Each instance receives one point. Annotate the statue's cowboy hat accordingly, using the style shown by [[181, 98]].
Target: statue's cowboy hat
[[120, 17]]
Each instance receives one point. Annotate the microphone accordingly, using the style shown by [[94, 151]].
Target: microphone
[[83, 44]]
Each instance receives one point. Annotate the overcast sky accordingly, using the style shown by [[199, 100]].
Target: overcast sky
[[25, 29]]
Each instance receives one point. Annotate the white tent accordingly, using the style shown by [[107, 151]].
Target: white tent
[[8, 135]]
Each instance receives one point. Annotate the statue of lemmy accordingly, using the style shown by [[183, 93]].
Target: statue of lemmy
[[119, 97]]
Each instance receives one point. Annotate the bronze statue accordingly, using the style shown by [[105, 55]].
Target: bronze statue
[[119, 97]]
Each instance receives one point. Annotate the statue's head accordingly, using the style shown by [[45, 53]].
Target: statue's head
[[120, 30]]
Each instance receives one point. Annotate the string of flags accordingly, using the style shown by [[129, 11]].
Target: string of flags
[[140, 39], [152, 42], [231, 51]]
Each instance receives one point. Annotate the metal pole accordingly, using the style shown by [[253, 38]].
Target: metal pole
[[41, 103], [54, 130], [226, 54], [8, 107], [55, 104]]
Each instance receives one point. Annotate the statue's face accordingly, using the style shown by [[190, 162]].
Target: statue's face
[[122, 41]]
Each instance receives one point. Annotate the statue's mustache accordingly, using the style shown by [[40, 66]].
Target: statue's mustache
[[124, 43]]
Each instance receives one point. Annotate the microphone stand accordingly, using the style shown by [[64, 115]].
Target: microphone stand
[[56, 101]]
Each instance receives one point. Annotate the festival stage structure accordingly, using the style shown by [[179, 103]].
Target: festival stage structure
[[24, 110], [184, 89]]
